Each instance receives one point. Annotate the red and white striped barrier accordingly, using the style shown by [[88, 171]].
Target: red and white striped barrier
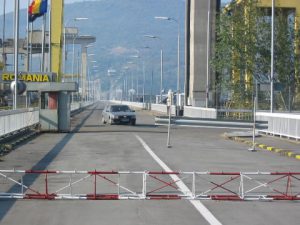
[[149, 185]]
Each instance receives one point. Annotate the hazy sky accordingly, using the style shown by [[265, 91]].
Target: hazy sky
[[23, 4]]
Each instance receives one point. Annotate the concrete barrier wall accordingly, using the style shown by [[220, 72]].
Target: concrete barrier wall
[[14, 120], [198, 112], [163, 109], [281, 124], [138, 105], [160, 108], [75, 106]]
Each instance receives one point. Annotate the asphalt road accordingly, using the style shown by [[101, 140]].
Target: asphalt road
[[92, 145]]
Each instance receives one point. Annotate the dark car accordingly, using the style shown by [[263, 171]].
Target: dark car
[[118, 114]]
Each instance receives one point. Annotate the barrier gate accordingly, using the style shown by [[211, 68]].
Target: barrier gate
[[147, 185]]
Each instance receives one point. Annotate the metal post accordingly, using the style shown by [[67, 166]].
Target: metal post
[[207, 55], [49, 45], [194, 185], [254, 125], [272, 58], [70, 185], [73, 63], [65, 52], [73, 57], [178, 70], [169, 128], [145, 174], [27, 39], [151, 89], [16, 51], [43, 44], [137, 86], [161, 72], [144, 79], [30, 51], [3, 35], [169, 104]]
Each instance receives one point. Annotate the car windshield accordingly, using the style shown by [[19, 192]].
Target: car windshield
[[120, 108]]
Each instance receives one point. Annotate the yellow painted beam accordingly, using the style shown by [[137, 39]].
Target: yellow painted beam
[[57, 13], [280, 3]]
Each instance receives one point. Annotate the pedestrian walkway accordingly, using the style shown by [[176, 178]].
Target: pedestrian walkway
[[282, 146]]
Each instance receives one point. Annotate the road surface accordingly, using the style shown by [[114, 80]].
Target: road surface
[[92, 145]]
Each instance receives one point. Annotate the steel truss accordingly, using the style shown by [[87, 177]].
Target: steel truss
[[149, 185]]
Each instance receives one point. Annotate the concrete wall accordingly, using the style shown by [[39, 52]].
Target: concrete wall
[[199, 112]]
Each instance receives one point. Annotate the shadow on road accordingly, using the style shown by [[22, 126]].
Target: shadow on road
[[41, 165]]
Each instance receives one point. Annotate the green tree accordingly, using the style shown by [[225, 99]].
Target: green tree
[[236, 50], [243, 54]]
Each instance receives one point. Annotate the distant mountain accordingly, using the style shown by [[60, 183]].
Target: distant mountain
[[119, 26]]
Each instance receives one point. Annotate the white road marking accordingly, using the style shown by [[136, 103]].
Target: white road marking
[[196, 203]]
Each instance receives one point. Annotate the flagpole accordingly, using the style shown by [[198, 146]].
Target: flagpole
[[16, 51], [27, 52], [3, 46], [49, 45], [43, 44], [272, 59], [30, 51]]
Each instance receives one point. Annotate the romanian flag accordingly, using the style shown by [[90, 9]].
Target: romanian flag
[[36, 9]]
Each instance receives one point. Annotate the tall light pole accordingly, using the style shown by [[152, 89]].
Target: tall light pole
[[208, 55], [272, 58], [137, 74], [65, 37], [178, 54], [161, 63], [3, 35], [89, 75], [132, 90], [16, 51]]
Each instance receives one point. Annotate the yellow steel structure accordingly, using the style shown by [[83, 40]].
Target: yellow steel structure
[[288, 4], [57, 15]]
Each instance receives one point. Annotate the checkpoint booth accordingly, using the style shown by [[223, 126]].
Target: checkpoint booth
[[54, 104], [52, 98]]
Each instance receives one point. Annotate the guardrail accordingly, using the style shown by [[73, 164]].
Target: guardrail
[[195, 122], [281, 124], [14, 120]]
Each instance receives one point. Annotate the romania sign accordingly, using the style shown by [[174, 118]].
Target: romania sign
[[28, 77]]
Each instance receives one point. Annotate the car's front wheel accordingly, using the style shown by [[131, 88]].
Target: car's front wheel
[[132, 123]]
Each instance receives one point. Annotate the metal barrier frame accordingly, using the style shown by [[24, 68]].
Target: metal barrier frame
[[230, 186]]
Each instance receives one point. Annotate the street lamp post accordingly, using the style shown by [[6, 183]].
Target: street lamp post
[[16, 51], [65, 34], [144, 74], [89, 76], [272, 58], [3, 35], [178, 55], [161, 63]]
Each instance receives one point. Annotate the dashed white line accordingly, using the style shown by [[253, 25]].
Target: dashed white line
[[196, 203]]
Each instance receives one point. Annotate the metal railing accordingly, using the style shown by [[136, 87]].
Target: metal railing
[[281, 124], [13, 120]]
